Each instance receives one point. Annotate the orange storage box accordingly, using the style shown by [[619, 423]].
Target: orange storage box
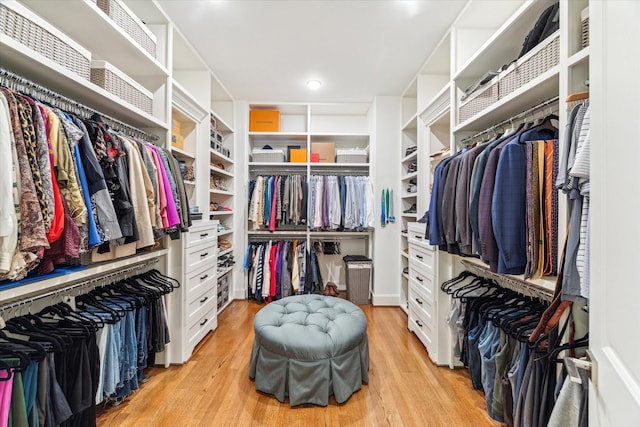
[[264, 121], [298, 155]]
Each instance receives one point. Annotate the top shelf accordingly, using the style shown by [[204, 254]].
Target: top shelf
[[505, 44], [218, 156], [58, 79], [86, 23]]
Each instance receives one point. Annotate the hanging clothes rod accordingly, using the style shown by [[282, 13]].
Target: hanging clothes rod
[[134, 268], [43, 94], [340, 172], [512, 119], [521, 286]]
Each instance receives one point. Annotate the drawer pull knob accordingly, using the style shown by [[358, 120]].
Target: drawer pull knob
[[204, 277], [419, 323], [206, 298], [206, 320], [418, 237], [204, 254], [419, 279], [419, 256], [418, 301], [203, 235]]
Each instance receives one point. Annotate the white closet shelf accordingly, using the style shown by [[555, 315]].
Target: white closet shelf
[[279, 136], [316, 165], [226, 251], [85, 22], [410, 157], [547, 283], [409, 215], [186, 104], [340, 135], [220, 213], [32, 65], [182, 153], [507, 39], [220, 171], [77, 276], [404, 254], [221, 124], [406, 276], [218, 156], [438, 106], [295, 166], [267, 233], [579, 57], [223, 192], [224, 232], [409, 176], [411, 124], [316, 234], [409, 195], [540, 89], [224, 272]]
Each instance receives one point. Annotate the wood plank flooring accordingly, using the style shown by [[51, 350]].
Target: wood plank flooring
[[214, 388]]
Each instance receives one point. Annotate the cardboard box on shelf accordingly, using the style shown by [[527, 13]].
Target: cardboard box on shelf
[[264, 121], [177, 141], [326, 150], [298, 155]]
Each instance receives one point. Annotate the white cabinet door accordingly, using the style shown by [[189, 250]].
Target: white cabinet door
[[614, 396]]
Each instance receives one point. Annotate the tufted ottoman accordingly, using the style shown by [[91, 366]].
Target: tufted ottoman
[[309, 347]]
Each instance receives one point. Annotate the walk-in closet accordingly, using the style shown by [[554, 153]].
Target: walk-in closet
[[318, 213]]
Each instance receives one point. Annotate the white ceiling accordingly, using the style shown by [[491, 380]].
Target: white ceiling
[[266, 50]]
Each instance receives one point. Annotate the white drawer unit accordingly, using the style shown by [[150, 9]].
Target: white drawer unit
[[421, 255], [201, 254], [422, 295], [424, 303], [423, 328], [420, 277], [197, 298], [416, 231], [201, 233], [200, 326]]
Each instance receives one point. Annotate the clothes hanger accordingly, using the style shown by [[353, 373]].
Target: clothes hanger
[[445, 286], [579, 343], [7, 369], [56, 341], [39, 349]]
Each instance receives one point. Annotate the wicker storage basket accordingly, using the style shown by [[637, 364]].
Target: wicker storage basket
[[540, 59], [478, 101], [130, 23], [585, 27], [358, 275], [20, 24], [354, 155], [271, 156], [116, 82]]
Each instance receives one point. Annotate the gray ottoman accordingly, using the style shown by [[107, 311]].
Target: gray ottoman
[[309, 347]]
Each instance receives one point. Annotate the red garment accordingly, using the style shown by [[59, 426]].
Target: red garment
[[65, 247], [58, 223], [274, 205], [272, 270]]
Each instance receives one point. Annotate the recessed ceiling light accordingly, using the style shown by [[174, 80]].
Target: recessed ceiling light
[[314, 84]]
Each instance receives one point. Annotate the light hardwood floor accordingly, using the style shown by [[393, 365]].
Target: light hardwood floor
[[214, 389]]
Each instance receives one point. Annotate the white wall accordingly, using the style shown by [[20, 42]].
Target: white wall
[[241, 178], [385, 171]]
